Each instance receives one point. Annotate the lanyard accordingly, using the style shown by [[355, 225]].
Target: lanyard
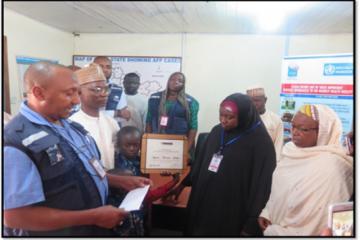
[[72, 142], [170, 115], [222, 145], [78, 151]]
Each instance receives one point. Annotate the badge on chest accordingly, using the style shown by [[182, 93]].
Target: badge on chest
[[54, 154], [164, 121], [98, 168], [215, 162]]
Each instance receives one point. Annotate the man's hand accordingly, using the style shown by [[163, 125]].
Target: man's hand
[[124, 113], [132, 182], [174, 194], [176, 177], [326, 232], [166, 174], [109, 216], [36, 218], [263, 223], [128, 182]]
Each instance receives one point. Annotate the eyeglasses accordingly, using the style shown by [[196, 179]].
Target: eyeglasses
[[100, 90], [301, 129]]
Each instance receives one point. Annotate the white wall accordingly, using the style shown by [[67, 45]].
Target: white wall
[[218, 65], [26, 37], [320, 44], [215, 65], [128, 44]]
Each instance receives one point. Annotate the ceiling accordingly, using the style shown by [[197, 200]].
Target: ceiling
[[190, 17]]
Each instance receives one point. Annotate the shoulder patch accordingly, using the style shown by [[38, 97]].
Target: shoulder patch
[[115, 87], [34, 137]]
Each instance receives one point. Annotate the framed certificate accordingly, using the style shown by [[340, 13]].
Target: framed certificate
[[163, 152]]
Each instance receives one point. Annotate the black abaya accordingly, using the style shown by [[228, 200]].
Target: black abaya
[[228, 202]]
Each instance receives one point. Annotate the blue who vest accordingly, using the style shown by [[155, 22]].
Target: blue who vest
[[66, 184], [114, 97], [177, 123]]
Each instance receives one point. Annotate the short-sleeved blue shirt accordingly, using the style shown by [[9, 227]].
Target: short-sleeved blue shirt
[[22, 182]]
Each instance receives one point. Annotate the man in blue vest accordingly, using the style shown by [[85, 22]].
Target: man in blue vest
[[54, 183], [116, 105]]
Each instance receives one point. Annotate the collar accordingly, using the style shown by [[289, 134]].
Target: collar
[[35, 117]]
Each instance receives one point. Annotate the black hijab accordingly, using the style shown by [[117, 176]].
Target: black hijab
[[228, 202], [247, 113]]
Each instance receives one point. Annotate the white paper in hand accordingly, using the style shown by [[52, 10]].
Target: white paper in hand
[[134, 198]]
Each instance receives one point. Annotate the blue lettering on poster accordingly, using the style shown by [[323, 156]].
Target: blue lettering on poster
[[338, 69]]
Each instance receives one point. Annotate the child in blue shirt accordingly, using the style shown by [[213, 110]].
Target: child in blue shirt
[[127, 161]]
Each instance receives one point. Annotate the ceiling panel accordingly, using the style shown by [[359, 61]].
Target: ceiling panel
[[177, 17]]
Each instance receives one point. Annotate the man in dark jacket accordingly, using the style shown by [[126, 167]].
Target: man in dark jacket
[[54, 182]]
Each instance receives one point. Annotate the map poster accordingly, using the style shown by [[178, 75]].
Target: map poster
[[153, 71]]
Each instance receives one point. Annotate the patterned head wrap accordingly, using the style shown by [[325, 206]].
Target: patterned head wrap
[[310, 111]]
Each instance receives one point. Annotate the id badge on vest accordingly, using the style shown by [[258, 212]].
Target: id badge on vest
[[54, 154], [215, 162], [98, 168], [164, 121]]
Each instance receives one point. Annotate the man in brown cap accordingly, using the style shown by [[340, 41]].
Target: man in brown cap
[[272, 121], [93, 95]]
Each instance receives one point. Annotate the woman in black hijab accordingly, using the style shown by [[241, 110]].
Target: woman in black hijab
[[231, 179]]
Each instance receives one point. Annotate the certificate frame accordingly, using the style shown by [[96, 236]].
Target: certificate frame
[[172, 141]]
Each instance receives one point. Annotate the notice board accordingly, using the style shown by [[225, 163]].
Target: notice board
[[153, 71], [318, 79]]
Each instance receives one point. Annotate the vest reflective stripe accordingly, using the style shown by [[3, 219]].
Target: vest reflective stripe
[[32, 138], [66, 183]]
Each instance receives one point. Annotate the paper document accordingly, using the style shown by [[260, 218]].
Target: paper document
[[134, 198]]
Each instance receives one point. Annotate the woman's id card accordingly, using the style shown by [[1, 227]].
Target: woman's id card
[[215, 162]]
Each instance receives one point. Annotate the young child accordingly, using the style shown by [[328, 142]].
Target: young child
[[127, 161]]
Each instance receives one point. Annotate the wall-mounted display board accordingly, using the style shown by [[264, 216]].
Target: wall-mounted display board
[[153, 71]]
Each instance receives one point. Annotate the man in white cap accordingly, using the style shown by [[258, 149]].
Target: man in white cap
[[272, 122], [93, 95]]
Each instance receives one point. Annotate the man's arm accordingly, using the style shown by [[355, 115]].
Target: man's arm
[[123, 113], [127, 182], [34, 218], [121, 108]]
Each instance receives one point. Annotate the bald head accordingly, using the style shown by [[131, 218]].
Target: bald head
[[52, 90], [101, 58], [40, 74]]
